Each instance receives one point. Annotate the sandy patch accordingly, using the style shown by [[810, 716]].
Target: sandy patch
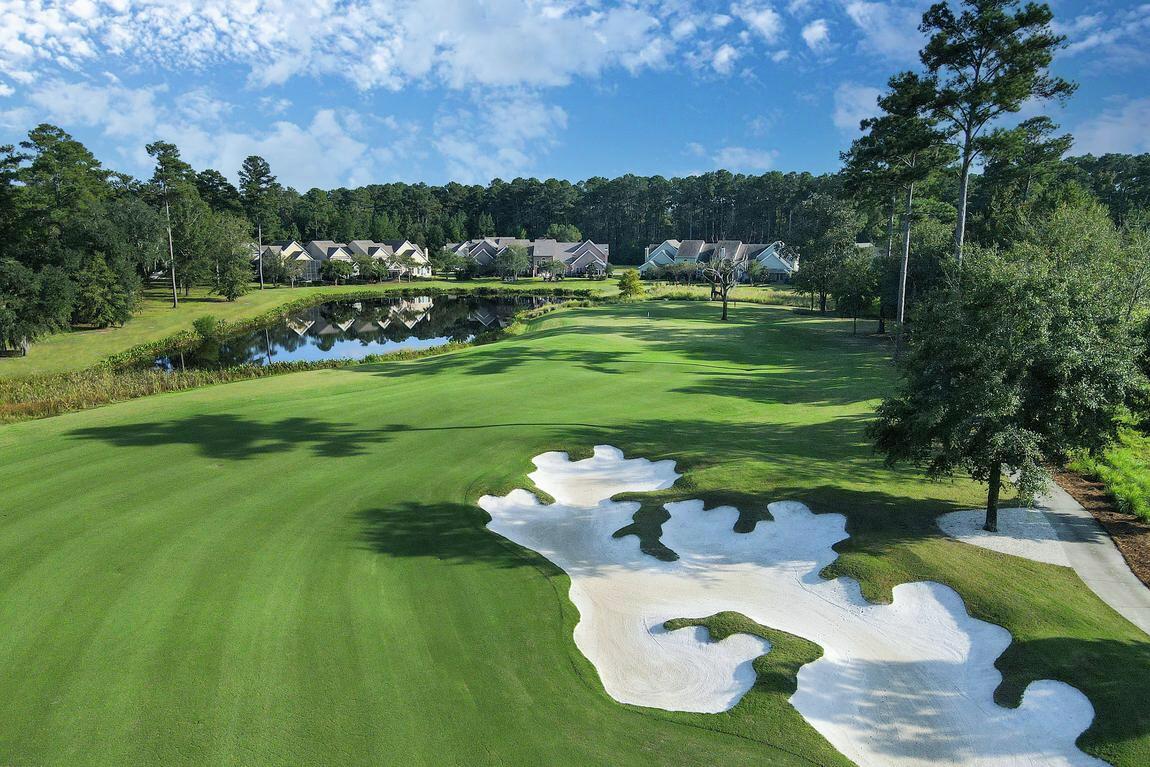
[[905, 684], [1022, 532]]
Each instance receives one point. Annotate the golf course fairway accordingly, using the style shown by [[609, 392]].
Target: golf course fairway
[[294, 570]]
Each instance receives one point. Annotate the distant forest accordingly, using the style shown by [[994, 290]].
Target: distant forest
[[629, 212]]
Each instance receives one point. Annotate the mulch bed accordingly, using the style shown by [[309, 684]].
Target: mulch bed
[[1130, 534]]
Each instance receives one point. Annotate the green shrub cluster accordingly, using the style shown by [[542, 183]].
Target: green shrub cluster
[[1125, 470]]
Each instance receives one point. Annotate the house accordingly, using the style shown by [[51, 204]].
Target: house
[[580, 258], [402, 248], [314, 253], [777, 265], [375, 250], [326, 250], [291, 250]]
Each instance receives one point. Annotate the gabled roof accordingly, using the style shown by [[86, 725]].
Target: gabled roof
[[689, 250], [322, 250]]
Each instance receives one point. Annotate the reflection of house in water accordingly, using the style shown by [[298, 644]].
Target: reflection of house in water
[[299, 326], [329, 328], [409, 312], [485, 317]]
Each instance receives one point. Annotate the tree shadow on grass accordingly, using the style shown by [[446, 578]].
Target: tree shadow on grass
[[447, 532], [1106, 671], [500, 360], [234, 437]]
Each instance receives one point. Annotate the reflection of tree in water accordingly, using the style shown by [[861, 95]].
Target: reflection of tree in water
[[369, 323]]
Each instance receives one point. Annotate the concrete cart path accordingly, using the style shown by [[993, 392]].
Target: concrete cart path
[[1095, 558]]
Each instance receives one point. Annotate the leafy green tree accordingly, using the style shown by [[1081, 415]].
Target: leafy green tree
[[293, 271], [233, 255], [319, 211], [218, 192], [446, 261], [194, 240], [554, 269], [276, 271], [855, 286], [987, 61], [100, 298], [371, 269], [1018, 164], [32, 304], [406, 264], [173, 180], [564, 233], [511, 262], [630, 286], [1013, 366], [485, 225], [903, 146], [141, 231], [825, 236], [258, 189], [383, 227], [335, 271]]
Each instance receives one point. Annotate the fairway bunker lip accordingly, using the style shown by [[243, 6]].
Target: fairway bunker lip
[[908, 684]]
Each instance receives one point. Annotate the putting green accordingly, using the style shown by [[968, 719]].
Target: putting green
[[293, 570]]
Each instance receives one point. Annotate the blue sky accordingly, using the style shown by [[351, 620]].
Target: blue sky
[[361, 91]]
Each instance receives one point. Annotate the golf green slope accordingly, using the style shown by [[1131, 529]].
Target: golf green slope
[[291, 571]]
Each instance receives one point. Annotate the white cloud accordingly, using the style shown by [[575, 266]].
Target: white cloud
[[738, 159], [6, 90], [763, 19], [479, 143], [683, 28], [745, 159], [888, 29], [779, 56], [817, 35], [328, 151], [270, 105], [1119, 129], [799, 7], [724, 59], [1115, 40], [372, 43], [853, 104]]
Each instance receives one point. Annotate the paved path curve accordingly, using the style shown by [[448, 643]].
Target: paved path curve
[[1095, 558]]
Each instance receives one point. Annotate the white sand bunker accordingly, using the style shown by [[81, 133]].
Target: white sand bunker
[[909, 683], [1021, 532]]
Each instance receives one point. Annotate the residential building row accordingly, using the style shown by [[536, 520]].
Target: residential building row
[[584, 258], [313, 253], [777, 264]]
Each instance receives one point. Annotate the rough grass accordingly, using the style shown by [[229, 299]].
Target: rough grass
[[292, 570]]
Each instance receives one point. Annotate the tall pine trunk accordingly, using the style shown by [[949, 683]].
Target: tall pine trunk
[[991, 525], [171, 253], [963, 189], [903, 269]]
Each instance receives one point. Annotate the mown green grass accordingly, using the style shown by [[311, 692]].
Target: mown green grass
[[293, 570]]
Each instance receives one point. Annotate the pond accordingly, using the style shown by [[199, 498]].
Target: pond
[[357, 329]]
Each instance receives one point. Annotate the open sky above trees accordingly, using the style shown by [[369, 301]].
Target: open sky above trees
[[370, 91]]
